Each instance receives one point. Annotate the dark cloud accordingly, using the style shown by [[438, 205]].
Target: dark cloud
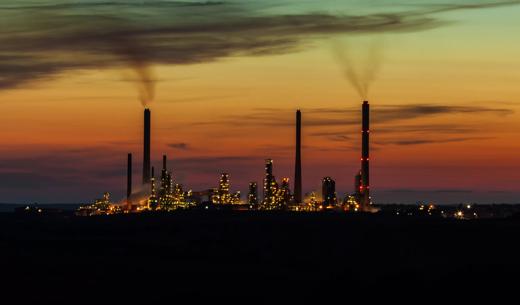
[[340, 148], [71, 175], [26, 181], [428, 141], [440, 8], [324, 122], [389, 113], [331, 117], [181, 146], [259, 117], [105, 4], [280, 117], [41, 40], [331, 136], [444, 129], [61, 167], [338, 138], [401, 112], [383, 115]]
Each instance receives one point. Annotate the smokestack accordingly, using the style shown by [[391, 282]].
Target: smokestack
[[146, 147], [365, 182], [298, 161], [129, 179], [164, 162]]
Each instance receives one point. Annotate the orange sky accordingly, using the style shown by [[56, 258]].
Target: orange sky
[[243, 107]]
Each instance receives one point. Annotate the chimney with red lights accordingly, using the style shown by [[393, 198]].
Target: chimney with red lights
[[365, 182]]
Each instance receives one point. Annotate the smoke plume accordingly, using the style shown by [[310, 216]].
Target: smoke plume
[[135, 56], [146, 82], [360, 68]]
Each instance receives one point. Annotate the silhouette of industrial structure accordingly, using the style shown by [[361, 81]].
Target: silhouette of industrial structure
[[364, 188], [298, 159], [146, 146], [165, 195]]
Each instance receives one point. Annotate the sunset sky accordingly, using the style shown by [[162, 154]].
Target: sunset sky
[[223, 80]]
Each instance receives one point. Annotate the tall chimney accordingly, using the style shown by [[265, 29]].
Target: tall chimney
[[129, 179], [365, 182], [146, 147], [298, 161], [164, 162]]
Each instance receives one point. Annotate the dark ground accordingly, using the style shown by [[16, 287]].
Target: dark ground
[[255, 258]]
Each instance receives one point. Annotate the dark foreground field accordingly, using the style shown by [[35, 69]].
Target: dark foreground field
[[243, 258]]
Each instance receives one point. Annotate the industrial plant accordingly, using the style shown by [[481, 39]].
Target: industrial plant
[[163, 194]]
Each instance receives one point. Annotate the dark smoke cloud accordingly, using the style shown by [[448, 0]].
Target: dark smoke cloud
[[42, 39], [136, 57], [181, 146], [361, 63], [362, 69]]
